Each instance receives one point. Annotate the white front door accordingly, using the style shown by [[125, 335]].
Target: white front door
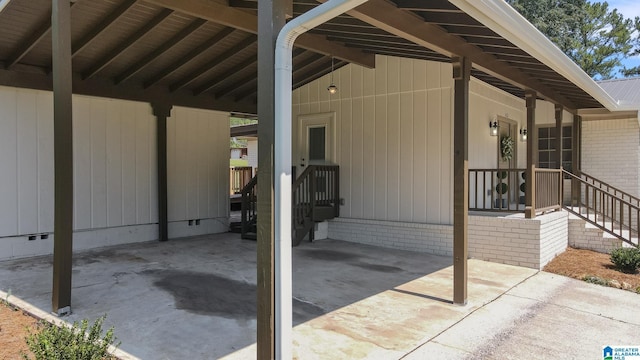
[[316, 140]]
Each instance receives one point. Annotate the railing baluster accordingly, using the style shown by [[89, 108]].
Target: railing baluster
[[621, 217]]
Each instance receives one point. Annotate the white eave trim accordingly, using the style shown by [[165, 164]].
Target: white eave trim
[[3, 4], [508, 23]]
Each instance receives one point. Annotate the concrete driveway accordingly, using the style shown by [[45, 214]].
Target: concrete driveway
[[195, 298]]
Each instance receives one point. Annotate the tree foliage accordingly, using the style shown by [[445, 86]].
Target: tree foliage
[[635, 52], [594, 36]]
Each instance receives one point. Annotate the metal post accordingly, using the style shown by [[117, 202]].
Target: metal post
[[532, 155], [162, 112], [461, 75], [63, 156]]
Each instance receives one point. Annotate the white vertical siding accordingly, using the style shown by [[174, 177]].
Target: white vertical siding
[[395, 136], [198, 164], [27, 125], [8, 162], [394, 128], [115, 165], [45, 161], [485, 103], [115, 161]]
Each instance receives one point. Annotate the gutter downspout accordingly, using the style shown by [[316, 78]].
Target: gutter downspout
[[282, 163]]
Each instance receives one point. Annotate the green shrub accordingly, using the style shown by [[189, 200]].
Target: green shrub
[[80, 342], [626, 259], [596, 280]]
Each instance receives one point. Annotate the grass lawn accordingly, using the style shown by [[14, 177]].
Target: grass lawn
[[238, 162]]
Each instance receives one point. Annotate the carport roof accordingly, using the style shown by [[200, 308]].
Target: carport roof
[[203, 53]]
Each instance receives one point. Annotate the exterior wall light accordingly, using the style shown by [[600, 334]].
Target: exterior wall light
[[523, 134], [493, 128]]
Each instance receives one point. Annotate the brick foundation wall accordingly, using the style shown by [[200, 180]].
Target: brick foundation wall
[[589, 237], [554, 235], [510, 239], [515, 240], [429, 238]]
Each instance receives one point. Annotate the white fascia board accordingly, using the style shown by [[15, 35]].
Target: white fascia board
[[3, 4], [508, 23]]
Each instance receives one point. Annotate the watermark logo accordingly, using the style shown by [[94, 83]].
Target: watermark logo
[[619, 352]]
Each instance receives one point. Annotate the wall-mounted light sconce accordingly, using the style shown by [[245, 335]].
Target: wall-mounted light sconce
[[332, 89], [523, 134], [493, 128]]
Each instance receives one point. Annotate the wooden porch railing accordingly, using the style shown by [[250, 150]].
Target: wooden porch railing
[[548, 190], [315, 197], [496, 189], [504, 190], [610, 209], [239, 176], [249, 209], [609, 189]]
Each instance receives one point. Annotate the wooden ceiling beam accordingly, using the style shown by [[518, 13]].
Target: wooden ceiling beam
[[315, 73], [441, 6], [250, 79], [471, 31], [456, 19], [42, 30], [356, 38], [219, 59], [420, 56], [242, 20], [484, 41], [398, 50], [386, 16], [246, 94], [505, 51], [149, 58], [301, 65], [210, 85], [226, 75], [250, 90], [112, 54], [182, 60], [329, 30], [37, 78], [241, 4], [105, 24]]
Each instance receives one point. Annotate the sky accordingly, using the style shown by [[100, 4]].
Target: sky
[[629, 9]]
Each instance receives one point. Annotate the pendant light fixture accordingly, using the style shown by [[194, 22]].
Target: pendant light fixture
[[332, 89]]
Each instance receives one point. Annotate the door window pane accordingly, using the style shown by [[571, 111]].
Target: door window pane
[[317, 143]]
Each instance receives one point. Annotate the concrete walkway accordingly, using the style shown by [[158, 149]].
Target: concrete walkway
[[195, 299]]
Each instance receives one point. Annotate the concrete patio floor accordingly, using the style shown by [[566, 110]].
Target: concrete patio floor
[[195, 299]]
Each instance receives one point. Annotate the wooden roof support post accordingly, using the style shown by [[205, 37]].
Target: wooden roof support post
[[63, 157], [532, 155], [461, 75], [271, 19], [576, 148], [558, 153], [162, 111]]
